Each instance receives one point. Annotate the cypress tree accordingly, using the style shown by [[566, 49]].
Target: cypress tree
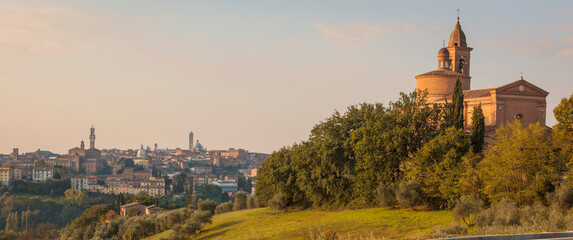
[[478, 129], [457, 105]]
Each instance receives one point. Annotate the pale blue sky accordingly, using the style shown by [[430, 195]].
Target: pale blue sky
[[247, 74]]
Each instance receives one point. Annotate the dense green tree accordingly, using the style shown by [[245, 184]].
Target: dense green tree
[[563, 134], [470, 182], [478, 129], [209, 191], [389, 136], [332, 161], [179, 183], [519, 164], [348, 154], [277, 175], [564, 114], [437, 167]]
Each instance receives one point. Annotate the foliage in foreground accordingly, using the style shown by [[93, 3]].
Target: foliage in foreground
[[94, 224]]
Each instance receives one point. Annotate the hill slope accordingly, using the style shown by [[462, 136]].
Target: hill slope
[[378, 222]]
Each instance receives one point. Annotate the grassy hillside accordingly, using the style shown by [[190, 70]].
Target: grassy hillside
[[349, 224]]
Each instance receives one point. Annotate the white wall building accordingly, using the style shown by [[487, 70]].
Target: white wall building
[[227, 185], [41, 175]]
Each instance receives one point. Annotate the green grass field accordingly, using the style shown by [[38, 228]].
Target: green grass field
[[379, 223]]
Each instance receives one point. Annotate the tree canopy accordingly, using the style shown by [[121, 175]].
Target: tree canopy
[[519, 164]]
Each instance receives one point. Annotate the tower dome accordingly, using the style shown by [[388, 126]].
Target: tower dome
[[141, 153], [444, 59], [457, 38], [443, 51]]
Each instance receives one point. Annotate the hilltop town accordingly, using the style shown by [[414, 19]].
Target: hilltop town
[[133, 171]]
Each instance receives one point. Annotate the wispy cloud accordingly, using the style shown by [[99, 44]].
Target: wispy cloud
[[46, 30], [354, 35], [556, 42]]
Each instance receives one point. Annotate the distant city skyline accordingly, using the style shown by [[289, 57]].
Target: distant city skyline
[[256, 75]]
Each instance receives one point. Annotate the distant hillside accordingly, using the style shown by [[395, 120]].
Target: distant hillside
[[377, 222]]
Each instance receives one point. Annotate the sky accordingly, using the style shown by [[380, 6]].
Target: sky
[[247, 74]]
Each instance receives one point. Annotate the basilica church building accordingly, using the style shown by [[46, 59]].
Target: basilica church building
[[516, 100], [82, 160]]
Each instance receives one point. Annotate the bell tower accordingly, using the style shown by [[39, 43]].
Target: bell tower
[[92, 137], [459, 51], [191, 141]]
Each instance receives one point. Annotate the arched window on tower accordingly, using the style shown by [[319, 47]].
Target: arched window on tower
[[461, 66]]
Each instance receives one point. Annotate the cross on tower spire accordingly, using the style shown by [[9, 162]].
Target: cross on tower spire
[[458, 15]]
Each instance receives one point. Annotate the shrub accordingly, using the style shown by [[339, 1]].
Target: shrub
[[253, 202], [129, 234], [185, 230], [224, 207], [279, 202], [454, 229], [207, 205], [318, 234], [386, 195], [504, 213], [562, 198], [240, 201], [409, 194], [466, 209]]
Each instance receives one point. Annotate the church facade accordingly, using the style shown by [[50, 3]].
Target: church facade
[[80, 159], [516, 100]]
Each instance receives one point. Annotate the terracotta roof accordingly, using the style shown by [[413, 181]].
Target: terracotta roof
[[130, 204], [154, 208], [446, 72], [477, 93]]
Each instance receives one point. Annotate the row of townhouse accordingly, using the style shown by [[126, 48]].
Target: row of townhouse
[[117, 184]]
